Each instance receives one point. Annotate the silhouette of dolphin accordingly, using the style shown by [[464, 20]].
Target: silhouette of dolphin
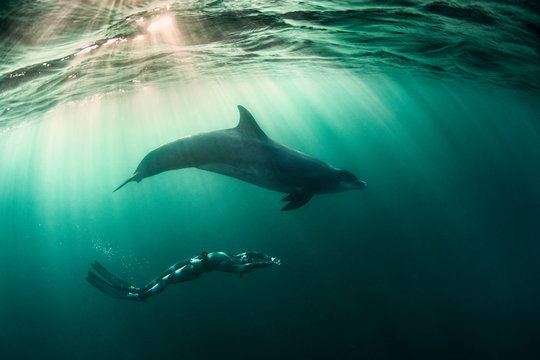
[[246, 153]]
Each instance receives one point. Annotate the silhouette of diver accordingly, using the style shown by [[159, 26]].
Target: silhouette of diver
[[185, 270]]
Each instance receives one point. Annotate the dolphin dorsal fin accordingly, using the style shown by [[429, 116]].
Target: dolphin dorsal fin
[[248, 125]]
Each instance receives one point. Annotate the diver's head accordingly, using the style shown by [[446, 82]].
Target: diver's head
[[246, 259]]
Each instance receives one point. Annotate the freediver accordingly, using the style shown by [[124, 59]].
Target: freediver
[[184, 270]]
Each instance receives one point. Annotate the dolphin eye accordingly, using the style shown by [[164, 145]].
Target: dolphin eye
[[347, 175]]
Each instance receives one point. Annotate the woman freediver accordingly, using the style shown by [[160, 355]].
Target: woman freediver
[[185, 270]]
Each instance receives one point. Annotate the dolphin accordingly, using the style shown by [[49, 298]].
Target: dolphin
[[246, 153]]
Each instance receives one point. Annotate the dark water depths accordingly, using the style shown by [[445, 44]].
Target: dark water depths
[[434, 104]]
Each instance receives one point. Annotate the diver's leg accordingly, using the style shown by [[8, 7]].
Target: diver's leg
[[178, 265], [116, 287], [185, 273]]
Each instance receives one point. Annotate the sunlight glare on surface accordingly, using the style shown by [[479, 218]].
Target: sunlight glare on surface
[[164, 29]]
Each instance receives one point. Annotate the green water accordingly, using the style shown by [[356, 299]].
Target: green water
[[437, 257]]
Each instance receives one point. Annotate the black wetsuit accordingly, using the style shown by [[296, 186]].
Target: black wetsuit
[[185, 270]]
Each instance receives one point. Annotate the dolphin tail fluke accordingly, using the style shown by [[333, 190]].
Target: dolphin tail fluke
[[133, 178]]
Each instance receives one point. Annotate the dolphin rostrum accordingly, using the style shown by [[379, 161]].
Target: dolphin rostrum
[[246, 153]]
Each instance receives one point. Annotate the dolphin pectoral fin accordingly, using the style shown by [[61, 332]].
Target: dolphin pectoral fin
[[296, 200], [133, 178]]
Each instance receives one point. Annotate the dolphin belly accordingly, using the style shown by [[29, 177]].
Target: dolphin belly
[[258, 175]]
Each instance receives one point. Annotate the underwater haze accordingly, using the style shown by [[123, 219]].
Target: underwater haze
[[433, 103]]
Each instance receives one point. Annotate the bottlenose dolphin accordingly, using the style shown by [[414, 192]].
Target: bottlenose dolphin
[[246, 153]]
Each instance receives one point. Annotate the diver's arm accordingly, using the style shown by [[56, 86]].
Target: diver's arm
[[246, 268], [253, 255], [246, 262]]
